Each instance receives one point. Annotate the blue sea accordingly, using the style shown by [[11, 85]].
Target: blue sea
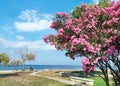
[[42, 67]]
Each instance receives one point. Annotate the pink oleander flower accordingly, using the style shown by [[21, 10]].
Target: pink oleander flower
[[45, 39], [107, 42], [96, 60], [62, 14], [52, 43], [84, 68], [98, 47], [53, 24], [83, 6], [58, 14], [85, 61], [65, 45], [89, 26], [93, 33], [111, 49], [72, 48], [83, 41], [115, 20], [117, 13], [109, 22], [109, 30], [72, 37], [90, 16], [90, 48], [92, 68], [86, 36], [77, 30], [67, 36], [104, 10], [103, 57], [60, 30], [87, 67], [75, 41], [112, 14], [68, 23], [114, 37]]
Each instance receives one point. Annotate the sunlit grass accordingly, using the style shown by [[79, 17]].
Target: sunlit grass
[[23, 79]]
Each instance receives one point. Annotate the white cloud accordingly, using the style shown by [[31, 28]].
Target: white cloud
[[31, 20], [18, 37], [29, 15], [32, 26], [34, 45], [7, 29]]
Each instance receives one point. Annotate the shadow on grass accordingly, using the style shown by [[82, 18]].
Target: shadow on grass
[[8, 74], [81, 73], [77, 85]]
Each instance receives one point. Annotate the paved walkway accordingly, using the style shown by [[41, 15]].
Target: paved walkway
[[34, 73], [56, 79]]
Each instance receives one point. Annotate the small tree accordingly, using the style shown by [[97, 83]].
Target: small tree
[[4, 59], [25, 56], [30, 56], [15, 63]]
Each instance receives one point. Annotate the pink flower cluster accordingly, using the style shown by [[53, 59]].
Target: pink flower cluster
[[45, 39], [62, 14], [109, 40], [92, 49], [60, 30], [87, 66], [53, 24]]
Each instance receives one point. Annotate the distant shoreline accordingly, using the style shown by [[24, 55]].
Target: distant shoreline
[[42, 70], [43, 67]]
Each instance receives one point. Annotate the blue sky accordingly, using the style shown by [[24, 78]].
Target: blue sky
[[23, 23]]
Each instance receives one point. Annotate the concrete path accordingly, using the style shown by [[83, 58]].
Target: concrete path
[[56, 79], [33, 74]]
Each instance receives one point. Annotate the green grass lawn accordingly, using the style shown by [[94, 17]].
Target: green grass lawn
[[98, 81], [23, 79]]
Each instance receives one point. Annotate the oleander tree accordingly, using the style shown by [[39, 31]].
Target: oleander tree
[[92, 32]]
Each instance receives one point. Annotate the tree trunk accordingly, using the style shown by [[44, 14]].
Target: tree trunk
[[23, 66], [107, 82], [106, 78], [104, 71]]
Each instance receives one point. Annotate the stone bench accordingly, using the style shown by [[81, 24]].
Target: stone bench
[[67, 74], [64, 74], [88, 82]]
